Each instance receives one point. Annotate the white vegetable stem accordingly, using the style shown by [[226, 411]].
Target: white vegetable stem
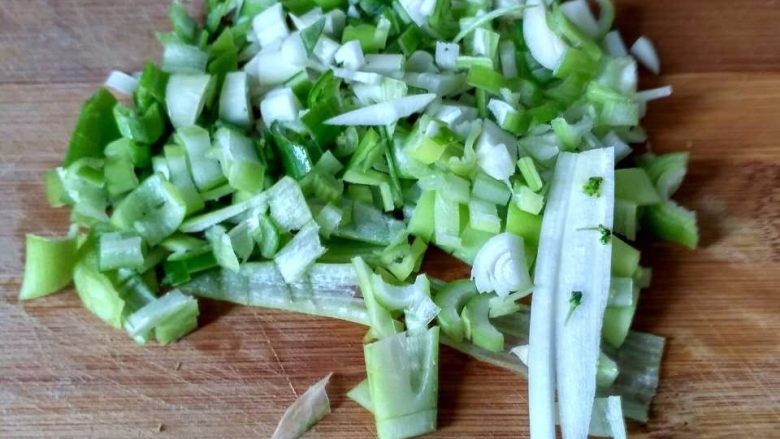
[[545, 46], [122, 82], [384, 113], [564, 344], [500, 266], [306, 411], [644, 51]]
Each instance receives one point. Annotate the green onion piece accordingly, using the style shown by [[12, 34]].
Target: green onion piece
[[666, 171], [403, 379], [452, 299], [204, 221], [447, 221], [185, 96], [483, 216], [120, 250], [239, 161], [298, 155], [633, 184], [485, 78], [234, 106], [151, 87], [449, 186], [639, 362], [182, 58], [96, 290], [381, 321], [625, 259], [504, 360], [490, 189], [481, 20], [119, 173], [528, 200], [154, 210], [306, 411], [328, 290], [181, 177], [288, 205], [95, 128], [160, 311], [422, 221], [617, 321], [607, 371], [477, 326], [146, 127], [206, 171], [410, 39], [222, 248], [404, 259], [530, 174], [625, 218], [370, 225], [184, 26], [414, 300], [621, 291], [48, 265], [361, 394], [671, 222], [297, 255], [526, 226]]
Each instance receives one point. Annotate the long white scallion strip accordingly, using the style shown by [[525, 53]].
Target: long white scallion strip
[[578, 329], [306, 411], [384, 113]]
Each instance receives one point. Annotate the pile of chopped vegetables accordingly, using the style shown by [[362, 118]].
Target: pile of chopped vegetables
[[302, 155]]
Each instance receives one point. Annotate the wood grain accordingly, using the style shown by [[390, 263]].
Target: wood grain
[[64, 374]]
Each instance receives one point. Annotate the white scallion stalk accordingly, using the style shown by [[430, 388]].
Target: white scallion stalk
[[614, 44], [545, 46], [369, 78], [621, 148], [480, 20], [541, 371], [579, 13], [281, 105], [350, 55], [384, 113], [122, 82], [388, 64], [185, 96], [578, 330], [234, 100], [270, 26], [288, 205], [325, 50], [521, 352], [644, 51], [571, 296], [496, 151], [500, 266], [654, 93], [306, 411], [446, 54]]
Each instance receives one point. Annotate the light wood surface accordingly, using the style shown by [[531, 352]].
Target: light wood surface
[[64, 374]]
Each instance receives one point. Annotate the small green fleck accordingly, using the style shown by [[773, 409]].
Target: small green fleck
[[593, 186], [574, 301], [606, 234]]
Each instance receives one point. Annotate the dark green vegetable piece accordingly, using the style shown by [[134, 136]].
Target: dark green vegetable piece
[[297, 154], [95, 128]]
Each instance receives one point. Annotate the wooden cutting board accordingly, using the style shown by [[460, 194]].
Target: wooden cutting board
[[64, 374]]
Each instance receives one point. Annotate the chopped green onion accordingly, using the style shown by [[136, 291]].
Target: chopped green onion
[[306, 411], [48, 265]]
